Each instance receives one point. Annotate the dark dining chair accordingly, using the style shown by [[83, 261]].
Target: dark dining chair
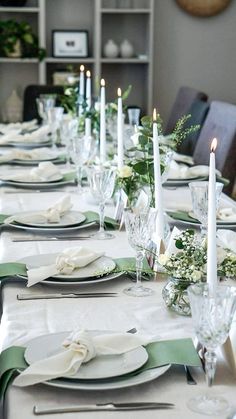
[[184, 99], [220, 123], [31, 93], [198, 111]]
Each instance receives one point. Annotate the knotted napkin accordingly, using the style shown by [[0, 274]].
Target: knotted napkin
[[80, 347], [182, 171], [65, 263], [52, 215], [31, 137], [44, 172], [36, 154], [227, 214]]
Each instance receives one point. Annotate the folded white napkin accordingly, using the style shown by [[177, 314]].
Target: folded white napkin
[[36, 154], [44, 172], [65, 263], [227, 239], [181, 171], [31, 137], [51, 215], [226, 214], [80, 347]]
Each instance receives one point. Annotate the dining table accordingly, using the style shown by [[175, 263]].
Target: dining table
[[23, 320]]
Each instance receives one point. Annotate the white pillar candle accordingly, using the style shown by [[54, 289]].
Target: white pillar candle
[[102, 123], [120, 141], [88, 90], [211, 230], [81, 89], [88, 130], [157, 181]]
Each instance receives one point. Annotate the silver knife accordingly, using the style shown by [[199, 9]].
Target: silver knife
[[103, 407], [48, 239], [65, 295]]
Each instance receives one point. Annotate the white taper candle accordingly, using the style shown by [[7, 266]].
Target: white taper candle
[[120, 141], [102, 123], [157, 181]]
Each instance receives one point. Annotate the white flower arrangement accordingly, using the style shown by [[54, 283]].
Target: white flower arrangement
[[188, 263]]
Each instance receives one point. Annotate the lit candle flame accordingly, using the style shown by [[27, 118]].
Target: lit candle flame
[[154, 115], [213, 145], [102, 82], [88, 74], [119, 92], [81, 67]]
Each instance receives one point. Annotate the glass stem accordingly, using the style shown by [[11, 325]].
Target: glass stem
[[203, 230], [101, 215], [79, 171], [139, 266], [210, 358]]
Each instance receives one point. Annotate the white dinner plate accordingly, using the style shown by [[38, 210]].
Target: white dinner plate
[[71, 218], [55, 160], [114, 384], [45, 185], [99, 267], [42, 143], [101, 367], [55, 283], [53, 230], [219, 224]]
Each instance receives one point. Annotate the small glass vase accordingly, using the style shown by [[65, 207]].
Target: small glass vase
[[175, 296]]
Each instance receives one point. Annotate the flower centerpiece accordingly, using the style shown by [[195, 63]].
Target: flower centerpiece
[[141, 160], [187, 265]]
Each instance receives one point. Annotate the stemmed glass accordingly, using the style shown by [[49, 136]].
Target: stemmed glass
[[102, 183], [68, 130], [81, 152], [212, 314], [44, 103], [199, 196], [55, 116], [139, 227]]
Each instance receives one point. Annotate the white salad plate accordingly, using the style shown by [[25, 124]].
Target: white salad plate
[[100, 367]]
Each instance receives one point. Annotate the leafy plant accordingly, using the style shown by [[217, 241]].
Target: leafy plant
[[11, 32]]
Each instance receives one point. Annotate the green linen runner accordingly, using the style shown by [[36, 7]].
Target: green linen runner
[[179, 352]]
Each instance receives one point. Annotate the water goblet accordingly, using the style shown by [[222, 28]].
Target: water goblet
[[199, 196], [68, 130], [139, 227], [45, 102], [81, 152], [212, 314], [54, 116], [102, 183]]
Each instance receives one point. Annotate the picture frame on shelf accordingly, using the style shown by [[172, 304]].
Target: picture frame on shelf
[[70, 43]]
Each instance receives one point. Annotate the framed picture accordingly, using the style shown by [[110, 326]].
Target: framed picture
[[69, 44]]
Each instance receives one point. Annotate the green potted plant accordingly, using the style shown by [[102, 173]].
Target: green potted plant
[[18, 40]]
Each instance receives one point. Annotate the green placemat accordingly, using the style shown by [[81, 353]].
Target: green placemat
[[182, 216], [179, 351], [11, 269]]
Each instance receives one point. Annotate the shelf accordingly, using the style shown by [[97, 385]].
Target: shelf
[[19, 9], [130, 11], [53, 60], [19, 60], [124, 61]]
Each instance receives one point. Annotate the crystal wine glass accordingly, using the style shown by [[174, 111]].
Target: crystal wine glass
[[199, 196], [102, 183], [55, 116], [68, 130], [45, 102], [81, 152], [139, 227], [212, 313]]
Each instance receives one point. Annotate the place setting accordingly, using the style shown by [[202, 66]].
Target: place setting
[[31, 157], [37, 138]]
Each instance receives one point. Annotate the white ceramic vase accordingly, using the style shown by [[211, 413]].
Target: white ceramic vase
[[111, 49], [13, 108], [126, 49]]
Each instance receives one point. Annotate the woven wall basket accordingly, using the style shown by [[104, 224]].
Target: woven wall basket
[[203, 7]]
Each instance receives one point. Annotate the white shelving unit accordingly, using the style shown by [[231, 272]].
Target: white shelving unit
[[102, 23]]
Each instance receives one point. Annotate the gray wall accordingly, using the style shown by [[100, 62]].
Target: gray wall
[[193, 51]]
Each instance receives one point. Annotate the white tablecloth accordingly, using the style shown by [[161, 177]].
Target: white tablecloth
[[23, 320]]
